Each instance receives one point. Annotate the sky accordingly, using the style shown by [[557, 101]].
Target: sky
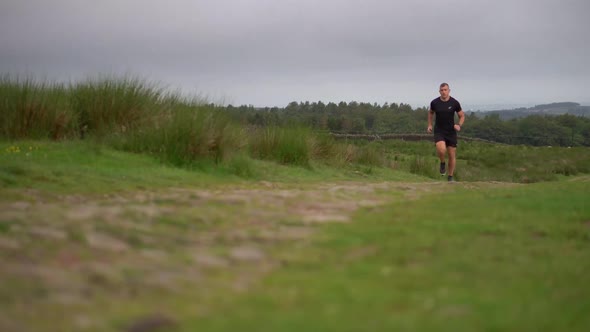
[[272, 52]]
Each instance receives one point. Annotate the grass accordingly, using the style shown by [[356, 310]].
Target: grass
[[85, 167], [511, 259], [36, 110], [189, 135], [432, 256], [284, 145], [134, 115], [478, 161], [110, 105], [90, 167]]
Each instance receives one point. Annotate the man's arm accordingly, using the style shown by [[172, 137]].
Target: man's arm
[[461, 115], [430, 116]]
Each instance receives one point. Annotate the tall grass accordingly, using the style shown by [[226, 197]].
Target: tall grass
[[108, 106], [340, 154], [32, 109], [324, 146], [288, 145], [184, 135], [134, 115], [422, 165], [127, 113], [370, 154]]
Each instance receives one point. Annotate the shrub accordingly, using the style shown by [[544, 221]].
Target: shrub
[[287, 145]]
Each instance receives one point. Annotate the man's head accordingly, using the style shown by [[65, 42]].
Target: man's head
[[444, 91]]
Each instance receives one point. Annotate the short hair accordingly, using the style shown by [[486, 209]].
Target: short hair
[[444, 84]]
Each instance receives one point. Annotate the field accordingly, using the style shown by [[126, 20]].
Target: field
[[96, 239], [124, 208]]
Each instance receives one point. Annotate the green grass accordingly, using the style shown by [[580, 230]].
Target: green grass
[[127, 113], [84, 167], [284, 145], [90, 167], [134, 115], [513, 259], [478, 161], [110, 105], [37, 110], [189, 135], [462, 257]]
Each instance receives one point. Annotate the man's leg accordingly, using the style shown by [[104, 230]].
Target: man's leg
[[451, 141], [452, 159], [441, 148]]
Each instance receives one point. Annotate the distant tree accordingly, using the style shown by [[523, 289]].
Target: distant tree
[[358, 117], [370, 120], [292, 107], [541, 130]]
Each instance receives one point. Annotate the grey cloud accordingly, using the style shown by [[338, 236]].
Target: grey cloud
[[271, 52]]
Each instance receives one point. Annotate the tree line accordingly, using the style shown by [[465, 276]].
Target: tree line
[[393, 118]]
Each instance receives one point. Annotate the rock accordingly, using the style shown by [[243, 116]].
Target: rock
[[246, 254], [152, 323]]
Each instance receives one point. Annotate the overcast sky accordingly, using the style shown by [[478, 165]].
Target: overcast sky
[[271, 52]]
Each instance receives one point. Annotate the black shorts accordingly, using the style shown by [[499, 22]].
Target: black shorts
[[450, 139]]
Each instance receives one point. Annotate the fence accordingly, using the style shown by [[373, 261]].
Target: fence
[[403, 137]]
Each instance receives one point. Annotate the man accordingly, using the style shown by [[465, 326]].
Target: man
[[445, 129]]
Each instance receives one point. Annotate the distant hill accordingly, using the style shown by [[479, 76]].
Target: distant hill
[[543, 109]]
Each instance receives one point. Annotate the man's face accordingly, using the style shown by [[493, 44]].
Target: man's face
[[444, 91]]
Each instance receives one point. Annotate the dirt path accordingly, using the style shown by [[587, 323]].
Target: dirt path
[[63, 251]]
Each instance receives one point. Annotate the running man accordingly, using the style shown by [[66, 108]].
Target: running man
[[445, 129]]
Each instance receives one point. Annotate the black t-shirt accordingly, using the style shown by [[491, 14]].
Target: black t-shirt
[[445, 114]]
